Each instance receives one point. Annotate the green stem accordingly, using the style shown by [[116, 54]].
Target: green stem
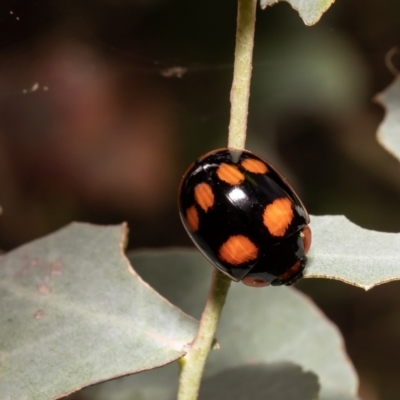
[[240, 91], [192, 364]]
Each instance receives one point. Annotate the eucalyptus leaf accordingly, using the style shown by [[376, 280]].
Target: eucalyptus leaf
[[310, 10], [73, 313], [259, 381], [335, 394], [268, 325], [278, 381], [344, 251], [156, 384], [388, 134]]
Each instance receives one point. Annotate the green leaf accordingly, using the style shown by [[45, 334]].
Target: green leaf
[[334, 394], [310, 10], [258, 325], [388, 134], [259, 328], [156, 384], [73, 313], [162, 383], [278, 381], [342, 250]]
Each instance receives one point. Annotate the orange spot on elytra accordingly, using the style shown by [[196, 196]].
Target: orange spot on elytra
[[255, 166], [306, 233], [230, 174], [291, 272], [249, 281], [192, 218], [278, 215], [238, 250], [204, 196]]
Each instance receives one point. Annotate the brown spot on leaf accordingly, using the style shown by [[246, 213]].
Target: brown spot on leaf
[[43, 289], [39, 314], [55, 268]]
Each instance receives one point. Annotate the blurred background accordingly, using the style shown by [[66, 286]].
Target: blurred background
[[104, 104]]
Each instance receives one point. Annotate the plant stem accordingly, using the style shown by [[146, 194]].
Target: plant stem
[[240, 91], [192, 364]]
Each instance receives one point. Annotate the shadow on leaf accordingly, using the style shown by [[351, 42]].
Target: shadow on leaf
[[278, 381]]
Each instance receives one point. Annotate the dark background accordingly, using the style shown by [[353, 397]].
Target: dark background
[[104, 103]]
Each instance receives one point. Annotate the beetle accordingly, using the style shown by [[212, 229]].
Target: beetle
[[245, 218]]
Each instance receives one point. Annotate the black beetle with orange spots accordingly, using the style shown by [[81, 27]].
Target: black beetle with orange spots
[[245, 218]]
